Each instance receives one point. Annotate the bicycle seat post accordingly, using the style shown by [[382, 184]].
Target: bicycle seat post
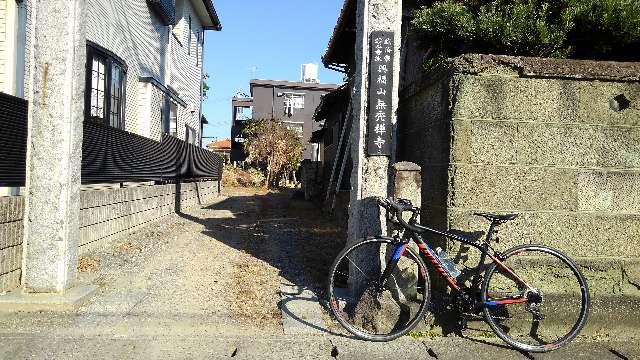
[[492, 234]]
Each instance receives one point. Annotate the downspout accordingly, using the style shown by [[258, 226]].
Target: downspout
[[201, 89]]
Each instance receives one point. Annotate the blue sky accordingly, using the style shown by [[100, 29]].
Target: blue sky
[[263, 39]]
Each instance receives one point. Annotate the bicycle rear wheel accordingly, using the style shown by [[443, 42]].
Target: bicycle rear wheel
[[368, 309], [548, 315]]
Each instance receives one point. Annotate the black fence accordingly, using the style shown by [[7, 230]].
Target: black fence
[[13, 140], [108, 154]]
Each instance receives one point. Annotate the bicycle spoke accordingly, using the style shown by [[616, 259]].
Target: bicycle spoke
[[358, 268], [545, 316], [371, 312]]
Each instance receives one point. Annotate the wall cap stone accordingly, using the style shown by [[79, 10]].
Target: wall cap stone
[[406, 166], [527, 67], [544, 67]]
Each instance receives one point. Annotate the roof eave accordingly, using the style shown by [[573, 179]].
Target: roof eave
[[211, 10], [339, 29]]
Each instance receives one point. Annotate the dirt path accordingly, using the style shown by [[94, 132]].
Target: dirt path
[[213, 269]]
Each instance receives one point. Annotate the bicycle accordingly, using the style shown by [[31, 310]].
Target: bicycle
[[532, 296]]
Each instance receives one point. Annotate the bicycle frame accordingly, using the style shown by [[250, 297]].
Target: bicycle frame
[[413, 231]]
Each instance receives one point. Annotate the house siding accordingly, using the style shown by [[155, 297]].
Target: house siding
[[12, 81], [186, 69], [134, 33], [3, 43], [156, 108], [130, 31], [28, 41]]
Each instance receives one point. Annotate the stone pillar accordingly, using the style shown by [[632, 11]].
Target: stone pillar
[[370, 175], [407, 183], [56, 102]]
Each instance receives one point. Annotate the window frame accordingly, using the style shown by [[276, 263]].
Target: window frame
[[190, 135], [169, 118], [290, 105], [95, 51]]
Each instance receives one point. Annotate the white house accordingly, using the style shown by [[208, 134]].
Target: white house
[[144, 62]]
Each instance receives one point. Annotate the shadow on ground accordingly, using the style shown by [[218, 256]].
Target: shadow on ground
[[288, 234]]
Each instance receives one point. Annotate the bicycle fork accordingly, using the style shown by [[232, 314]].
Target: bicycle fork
[[398, 250]]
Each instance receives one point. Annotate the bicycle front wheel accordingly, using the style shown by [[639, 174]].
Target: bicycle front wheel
[[368, 308], [546, 315]]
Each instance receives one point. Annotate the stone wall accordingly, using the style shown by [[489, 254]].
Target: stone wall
[[104, 215], [11, 210], [541, 138]]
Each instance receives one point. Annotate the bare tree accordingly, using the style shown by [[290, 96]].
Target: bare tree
[[270, 143]]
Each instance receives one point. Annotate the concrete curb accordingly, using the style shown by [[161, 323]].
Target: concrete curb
[[19, 301]]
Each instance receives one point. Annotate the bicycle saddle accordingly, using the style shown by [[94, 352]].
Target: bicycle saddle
[[499, 218]]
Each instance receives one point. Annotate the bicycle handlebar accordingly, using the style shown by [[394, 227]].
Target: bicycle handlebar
[[397, 208]]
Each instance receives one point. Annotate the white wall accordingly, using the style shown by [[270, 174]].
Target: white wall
[[14, 39], [131, 31], [3, 44], [186, 70], [8, 29]]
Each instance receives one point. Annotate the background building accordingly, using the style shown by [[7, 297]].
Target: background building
[[293, 103], [221, 147]]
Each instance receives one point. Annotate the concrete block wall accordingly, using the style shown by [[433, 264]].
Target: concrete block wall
[[537, 137], [104, 215], [11, 213]]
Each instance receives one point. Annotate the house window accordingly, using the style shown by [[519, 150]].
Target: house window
[[105, 89], [244, 113], [297, 128], [191, 135], [173, 119], [97, 91], [116, 97], [291, 102]]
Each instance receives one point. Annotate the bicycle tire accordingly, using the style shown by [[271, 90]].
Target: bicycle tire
[[347, 308], [563, 285]]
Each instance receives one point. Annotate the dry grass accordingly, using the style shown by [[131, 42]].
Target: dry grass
[[255, 292], [88, 264], [128, 246], [255, 282], [237, 177]]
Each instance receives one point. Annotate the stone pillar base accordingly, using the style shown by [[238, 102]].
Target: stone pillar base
[[19, 301]]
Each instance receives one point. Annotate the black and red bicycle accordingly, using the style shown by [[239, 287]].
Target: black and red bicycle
[[532, 296]]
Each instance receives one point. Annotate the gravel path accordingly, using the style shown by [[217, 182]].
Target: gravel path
[[186, 274], [216, 269]]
